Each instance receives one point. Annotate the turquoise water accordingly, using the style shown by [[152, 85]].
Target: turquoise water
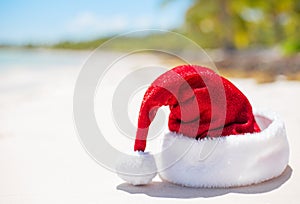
[[39, 58]]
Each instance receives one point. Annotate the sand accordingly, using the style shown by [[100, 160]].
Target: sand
[[42, 160]]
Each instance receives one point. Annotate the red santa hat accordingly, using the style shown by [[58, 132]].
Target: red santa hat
[[206, 110]]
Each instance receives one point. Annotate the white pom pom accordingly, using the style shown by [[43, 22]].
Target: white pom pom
[[138, 169]]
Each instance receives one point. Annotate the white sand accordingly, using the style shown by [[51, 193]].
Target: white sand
[[42, 160]]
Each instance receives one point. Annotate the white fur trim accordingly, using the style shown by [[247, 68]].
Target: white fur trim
[[235, 160], [138, 169]]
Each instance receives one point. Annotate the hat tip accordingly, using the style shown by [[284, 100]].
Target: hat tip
[[137, 169]]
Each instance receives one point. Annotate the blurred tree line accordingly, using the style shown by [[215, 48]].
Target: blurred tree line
[[229, 24], [237, 24]]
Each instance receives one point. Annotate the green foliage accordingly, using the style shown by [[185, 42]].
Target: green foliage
[[291, 46], [79, 45], [242, 23], [163, 41]]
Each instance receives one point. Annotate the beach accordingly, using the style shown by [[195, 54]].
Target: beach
[[42, 159]]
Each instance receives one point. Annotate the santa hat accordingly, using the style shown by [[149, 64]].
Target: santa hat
[[215, 140]]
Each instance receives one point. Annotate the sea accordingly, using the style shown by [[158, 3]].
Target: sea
[[17, 58]]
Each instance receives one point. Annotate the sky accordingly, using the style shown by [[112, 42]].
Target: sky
[[50, 21]]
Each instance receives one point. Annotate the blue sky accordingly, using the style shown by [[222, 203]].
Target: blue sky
[[37, 21]]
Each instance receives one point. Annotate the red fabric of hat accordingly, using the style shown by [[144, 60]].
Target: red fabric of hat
[[202, 104]]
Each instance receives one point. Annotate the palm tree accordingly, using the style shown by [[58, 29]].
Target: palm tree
[[241, 23]]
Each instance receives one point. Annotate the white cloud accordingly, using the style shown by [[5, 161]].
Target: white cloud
[[88, 23], [144, 22], [84, 20]]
